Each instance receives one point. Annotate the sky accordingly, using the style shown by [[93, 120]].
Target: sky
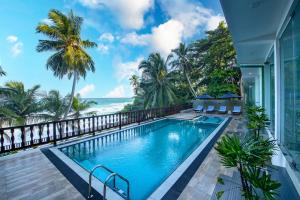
[[126, 32]]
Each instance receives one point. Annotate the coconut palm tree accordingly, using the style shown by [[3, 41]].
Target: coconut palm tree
[[70, 57], [19, 106], [156, 82], [134, 81], [2, 72], [54, 105], [79, 106], [181, 62]]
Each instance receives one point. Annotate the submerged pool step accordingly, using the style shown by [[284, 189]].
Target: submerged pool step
[[112, 176]]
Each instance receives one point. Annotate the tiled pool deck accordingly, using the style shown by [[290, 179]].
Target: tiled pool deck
[[30, 175]]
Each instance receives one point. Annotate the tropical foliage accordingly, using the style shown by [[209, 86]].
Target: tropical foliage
[[257, 119], [206, 65], [80, 107], [2, 72], [182, 62], [69, 58], [19, 106], [156, 82], [54, 105], [250, 156]]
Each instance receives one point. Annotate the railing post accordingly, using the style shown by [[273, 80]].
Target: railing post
[[2, 140], [93, 127], [54, 133], [120, 120], [23, 136], [139, 116]]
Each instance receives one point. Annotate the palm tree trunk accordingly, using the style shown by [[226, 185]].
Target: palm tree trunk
[[190, 84], [72, 95]]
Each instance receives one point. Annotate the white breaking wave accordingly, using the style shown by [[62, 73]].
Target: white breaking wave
[[107, 109]]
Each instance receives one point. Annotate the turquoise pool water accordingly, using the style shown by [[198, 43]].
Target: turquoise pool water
[[146, 155]]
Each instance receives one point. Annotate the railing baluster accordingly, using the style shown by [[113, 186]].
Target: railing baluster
[[89, 124], [67, 129], [31, 135], [13, 146], [40, 134], [48, 133], [83, 125], [2, 140], [97, 123], [54, 132], [73, 128], [93, 121], [78, 126]]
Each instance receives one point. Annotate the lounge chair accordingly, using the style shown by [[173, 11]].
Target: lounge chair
[[223, 109], [199, 108], [210, 109], [236, 110]]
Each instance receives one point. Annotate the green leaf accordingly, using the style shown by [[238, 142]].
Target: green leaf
[[220, 194], [220, 181]]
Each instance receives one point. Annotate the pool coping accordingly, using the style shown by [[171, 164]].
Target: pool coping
[[171, 188]]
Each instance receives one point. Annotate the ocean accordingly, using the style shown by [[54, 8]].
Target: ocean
[[108, 105]]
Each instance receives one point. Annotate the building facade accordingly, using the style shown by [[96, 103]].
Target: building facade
[[266, 35]]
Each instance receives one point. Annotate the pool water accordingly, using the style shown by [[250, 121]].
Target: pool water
[[209, 120], [146, 155]]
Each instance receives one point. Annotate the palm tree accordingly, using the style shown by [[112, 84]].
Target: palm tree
[[54, 105], [79, 106], [181, 62], [18, 105], [69, 58], [2, 72], [156, 82], [134, 81]]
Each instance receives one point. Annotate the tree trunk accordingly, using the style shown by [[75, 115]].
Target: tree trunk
[[190, 84], [72, 95]]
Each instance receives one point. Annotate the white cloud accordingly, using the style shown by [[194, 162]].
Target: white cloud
[[129, 12], [47, 21], [162, 39], [192, 15], [214, 21], [108, 37], [119, 92], [167, 36], [16, 47], [86, 90], [12, 38], [135, 39], [186, 19], [103, 49], [124, 70]]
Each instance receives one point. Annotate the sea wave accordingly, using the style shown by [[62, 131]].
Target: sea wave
[[107, 109]]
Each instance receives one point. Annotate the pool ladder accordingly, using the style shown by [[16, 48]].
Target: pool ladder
[[113, 176]]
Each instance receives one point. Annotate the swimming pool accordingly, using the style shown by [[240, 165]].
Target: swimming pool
[[146, 155]]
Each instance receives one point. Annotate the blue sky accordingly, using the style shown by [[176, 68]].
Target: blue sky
[[126, 31]]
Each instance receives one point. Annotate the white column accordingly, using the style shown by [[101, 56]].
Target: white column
[[277, 90]]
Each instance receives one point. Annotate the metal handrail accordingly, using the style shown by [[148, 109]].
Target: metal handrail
[[112, 174]]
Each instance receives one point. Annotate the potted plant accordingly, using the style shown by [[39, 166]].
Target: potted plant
[[250, 156]]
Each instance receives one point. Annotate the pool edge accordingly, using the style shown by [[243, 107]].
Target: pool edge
[[173, 189], [176, 186]]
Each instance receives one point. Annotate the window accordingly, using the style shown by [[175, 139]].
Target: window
[[252, 85], [290, 88]]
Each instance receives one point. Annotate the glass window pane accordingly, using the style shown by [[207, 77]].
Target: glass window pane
[[290, 88]]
